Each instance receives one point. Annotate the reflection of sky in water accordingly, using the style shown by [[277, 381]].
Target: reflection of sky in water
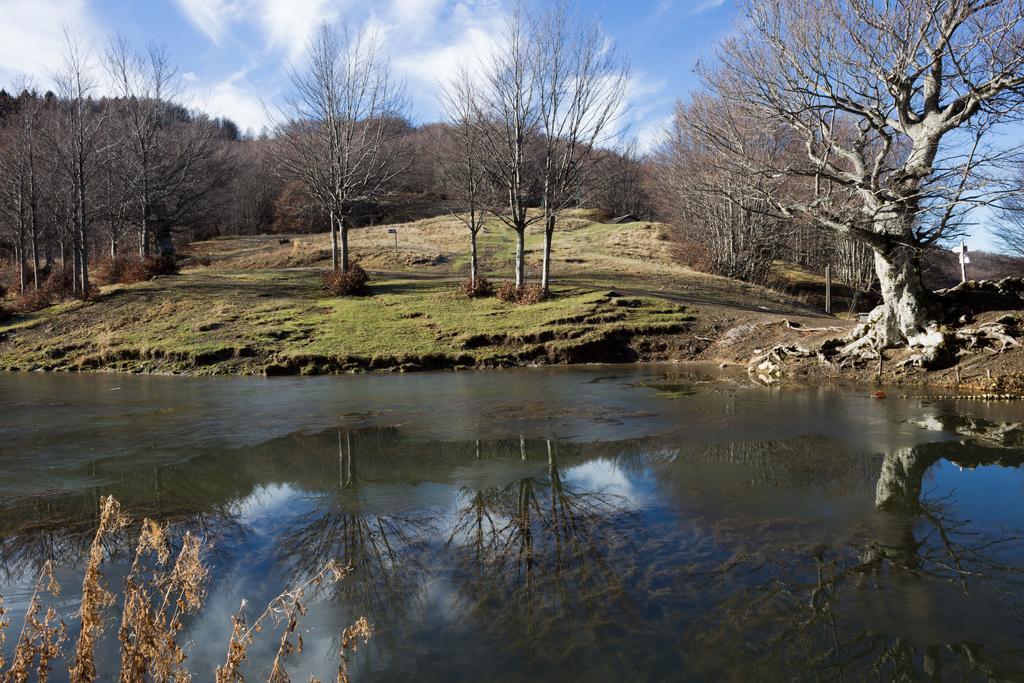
[[658, 527]]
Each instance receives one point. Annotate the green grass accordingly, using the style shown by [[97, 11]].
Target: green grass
[[282, 321]]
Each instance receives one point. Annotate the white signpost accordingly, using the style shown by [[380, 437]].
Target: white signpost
[[393, 231], [964, 259]]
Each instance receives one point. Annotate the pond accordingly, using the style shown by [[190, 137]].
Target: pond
[[642, 523]]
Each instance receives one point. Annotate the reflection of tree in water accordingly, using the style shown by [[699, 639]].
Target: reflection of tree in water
[[540, 558], [798, 613], [387, 548], [61, 529]]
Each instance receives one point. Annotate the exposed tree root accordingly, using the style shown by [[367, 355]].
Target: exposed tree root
[[937, 345]]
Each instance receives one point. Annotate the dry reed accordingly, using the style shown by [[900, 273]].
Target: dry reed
[[287, 609], [158, 595], [40, 640], [95, 597]]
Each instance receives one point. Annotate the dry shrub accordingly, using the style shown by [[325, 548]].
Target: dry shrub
[[346, 283], [527, 294], [129, 269], [350, 638], [482, 288], [57, 287]]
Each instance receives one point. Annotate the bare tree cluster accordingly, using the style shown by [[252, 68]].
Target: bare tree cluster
[[341, 131], [530, 122], [85, 174]]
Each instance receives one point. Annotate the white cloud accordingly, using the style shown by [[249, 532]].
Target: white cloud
[[285, 26], [211, 16], [707, 6], [289, 25], [233, 97], [32, 36], [650, 134], [430, 39]]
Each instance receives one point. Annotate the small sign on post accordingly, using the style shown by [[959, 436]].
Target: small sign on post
[[961, 251], [394, 231]]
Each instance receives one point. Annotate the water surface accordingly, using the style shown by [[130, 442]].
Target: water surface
[[654, 523]]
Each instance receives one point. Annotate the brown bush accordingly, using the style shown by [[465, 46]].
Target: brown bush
[[346, 283], [482, 288], [128, 269], [527, 294], [56, 288]]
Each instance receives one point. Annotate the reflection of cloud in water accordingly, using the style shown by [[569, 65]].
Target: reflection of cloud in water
[[606, 476], [265, 503]]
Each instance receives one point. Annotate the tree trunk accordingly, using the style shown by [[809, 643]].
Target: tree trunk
[[76, 255], [19, 252], [899, 482], [520, 257], [549, 232], [908, 308], [144, 228], [343, 229], [35, 253], [85, 261], [334, 244], [472, 260]]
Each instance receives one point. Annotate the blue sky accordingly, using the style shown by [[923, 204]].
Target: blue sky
[[233, 55]]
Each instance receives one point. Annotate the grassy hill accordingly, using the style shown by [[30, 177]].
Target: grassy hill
[[255, 305]]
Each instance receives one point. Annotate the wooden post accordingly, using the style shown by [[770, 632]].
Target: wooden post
[[828, 289]]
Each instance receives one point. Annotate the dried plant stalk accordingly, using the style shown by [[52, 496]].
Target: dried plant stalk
[[95, 598], [155, 604], [287, 608], [40, 640], [157, 598], [350, 638]]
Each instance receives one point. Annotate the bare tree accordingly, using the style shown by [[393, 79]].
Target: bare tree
[[461, 145], [1009, 231], [581, 86], [507, 119], [720, 212], [338, 132], [79, 147], [146, 85], [893, 104]]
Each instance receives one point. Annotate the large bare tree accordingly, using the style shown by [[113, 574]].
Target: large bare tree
[[581, 83], [507, 118], [21, 190], [893, 105], [339, 130]]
